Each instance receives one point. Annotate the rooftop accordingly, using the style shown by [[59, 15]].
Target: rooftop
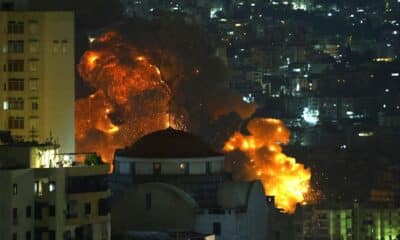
[[168, 143]]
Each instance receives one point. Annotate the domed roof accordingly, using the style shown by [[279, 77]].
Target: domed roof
[[168, 143]]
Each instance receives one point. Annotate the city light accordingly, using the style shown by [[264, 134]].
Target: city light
[[310, 116]]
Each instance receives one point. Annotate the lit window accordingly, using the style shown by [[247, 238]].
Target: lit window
[[182, 166], [52, 186], [15, 189]]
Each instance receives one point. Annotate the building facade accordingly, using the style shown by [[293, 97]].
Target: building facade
[[170, 181], [48, 196], [37, 77], [355, 223]]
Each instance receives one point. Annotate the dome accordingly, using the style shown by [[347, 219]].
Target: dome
[[168, 143]]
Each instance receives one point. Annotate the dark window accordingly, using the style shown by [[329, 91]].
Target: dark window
[[208, 167], [148, 201], [104, 207], [52, 210], [38, 210], [88, 208], [157, 168], [28, 211], [38, 233], [15, 65], [16, 84], [15, 46], [16, 122], [52, 235], [7, 6], [217, 228], [28, 235], [72, 210], [15, 103], [14, 236], [81, 184], [15, 215], [15, 27], [15, 189], [35, 106], [133, 168]]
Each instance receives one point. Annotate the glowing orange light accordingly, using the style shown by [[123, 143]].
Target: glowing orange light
[[281, 176], [119, 73]]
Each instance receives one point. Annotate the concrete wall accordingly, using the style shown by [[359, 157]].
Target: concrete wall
[[246, 222], [20, 200], [171, 209]]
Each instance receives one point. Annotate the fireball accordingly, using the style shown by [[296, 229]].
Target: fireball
[[281, 176]]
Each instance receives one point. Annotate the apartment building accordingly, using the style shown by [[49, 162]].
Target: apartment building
[[50, 196], [37, 76]]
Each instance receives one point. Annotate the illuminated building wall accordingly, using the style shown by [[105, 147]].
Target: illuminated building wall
[[37, 93], [42, 200], [357, 223]]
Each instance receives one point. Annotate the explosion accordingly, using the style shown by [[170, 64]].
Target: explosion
[[130, 97], [281, 176], [158, 80]]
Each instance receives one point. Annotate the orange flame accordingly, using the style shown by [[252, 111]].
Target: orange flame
[[281, 176], [130, 98]]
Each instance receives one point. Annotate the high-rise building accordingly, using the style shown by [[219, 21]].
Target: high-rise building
[[47, 195], [37, 76]]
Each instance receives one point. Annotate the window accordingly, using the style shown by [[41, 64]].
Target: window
[[52, 186], [104, 207], [33, 26], [33, 84], [72, 209], [15, 65], [15, 215], [15, 27], [7, 6], [33, 46], [64, 46], [16, 84], [15, 122], [33, 65], [35, 106], [15, 189], [28, 235], [88, 208], [133, 168], [28, 211], [52, 210], [184, 167], [15, 103], [208, 167], [157, 168], [14, 236], [38, 210], [15, 46], [52, 235], [217, 228], [148, 201]]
